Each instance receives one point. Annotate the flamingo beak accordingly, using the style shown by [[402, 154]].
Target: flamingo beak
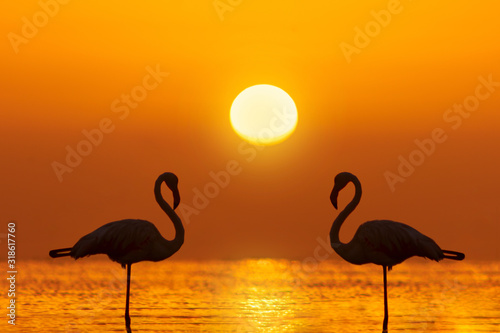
[[175, 193], [333, 197], [177, 198]]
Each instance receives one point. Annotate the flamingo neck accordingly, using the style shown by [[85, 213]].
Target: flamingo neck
[[175, 244], [335, 230]]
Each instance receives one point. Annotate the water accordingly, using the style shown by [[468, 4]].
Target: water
[[260, 295]]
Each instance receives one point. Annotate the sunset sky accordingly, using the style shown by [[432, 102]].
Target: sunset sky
[[377, 84]]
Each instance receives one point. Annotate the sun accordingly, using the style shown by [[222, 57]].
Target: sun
[[263, 115]]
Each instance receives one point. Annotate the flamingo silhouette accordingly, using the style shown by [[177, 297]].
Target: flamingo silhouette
[[381, 242], [129, 241]]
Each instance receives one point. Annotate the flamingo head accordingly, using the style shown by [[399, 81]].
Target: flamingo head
[[341, 180], [171, 180]]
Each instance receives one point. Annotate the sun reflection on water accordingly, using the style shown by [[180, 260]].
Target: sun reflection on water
[[256, 295], [265, 297]]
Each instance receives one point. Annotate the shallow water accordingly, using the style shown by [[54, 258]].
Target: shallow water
[[261, 295]]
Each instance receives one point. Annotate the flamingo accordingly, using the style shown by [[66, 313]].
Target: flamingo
[[381, 242], [129, 241]]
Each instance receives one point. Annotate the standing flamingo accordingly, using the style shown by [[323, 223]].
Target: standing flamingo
[[381, 242], [130, 241]]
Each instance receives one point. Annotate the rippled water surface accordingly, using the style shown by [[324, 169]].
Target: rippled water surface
[[261, 295]]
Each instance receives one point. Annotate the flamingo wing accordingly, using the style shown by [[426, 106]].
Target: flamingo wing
[[389, 243], [120, 240]]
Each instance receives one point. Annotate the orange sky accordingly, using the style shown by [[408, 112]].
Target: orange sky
[[362, 98]]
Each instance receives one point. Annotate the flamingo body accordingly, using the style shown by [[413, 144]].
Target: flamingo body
[[388, 243], [381, 242], [130, 241], [125, 242]]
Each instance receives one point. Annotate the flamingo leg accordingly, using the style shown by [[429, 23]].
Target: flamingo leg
[[386, 311], [127, 316]]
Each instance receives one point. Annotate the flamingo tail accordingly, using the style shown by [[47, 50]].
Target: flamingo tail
[[60, 252], [453, 255]]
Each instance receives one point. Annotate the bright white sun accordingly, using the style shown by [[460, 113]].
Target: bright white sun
[[263, 115]]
